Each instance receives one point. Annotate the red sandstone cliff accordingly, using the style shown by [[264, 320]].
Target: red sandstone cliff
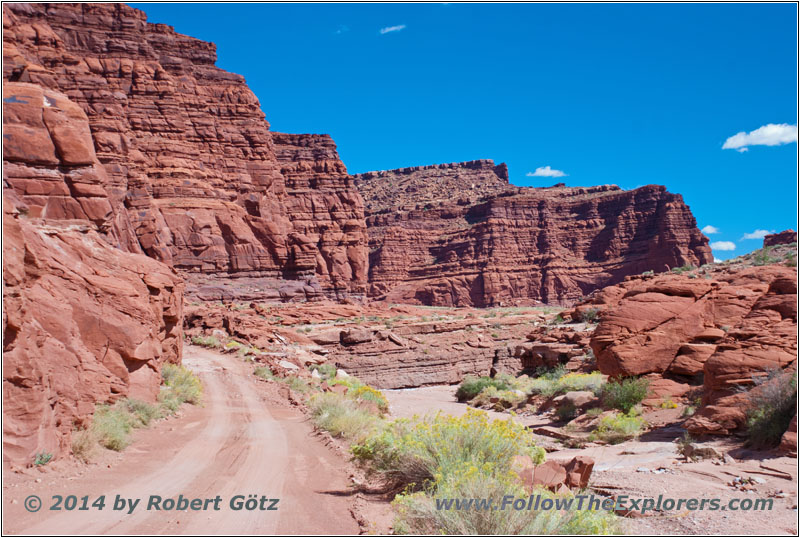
[[83, 322], [194, 176], [459, 234]]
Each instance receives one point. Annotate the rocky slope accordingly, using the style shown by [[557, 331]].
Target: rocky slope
[[720, 330], [459, 234], [83, 322], [194, 177]]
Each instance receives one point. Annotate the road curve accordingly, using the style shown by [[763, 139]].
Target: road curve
[[237, 444]]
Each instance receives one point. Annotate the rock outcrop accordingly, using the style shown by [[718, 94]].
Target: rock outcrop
[[193, 175], [782, 238], [83, 322], [724, 328], [460, 235]]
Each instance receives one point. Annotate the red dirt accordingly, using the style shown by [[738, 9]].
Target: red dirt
[[241, 442]]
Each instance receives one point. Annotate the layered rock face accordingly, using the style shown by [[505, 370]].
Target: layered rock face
[[782, 238], [724, 329], [193, 175], [83, 321], [474, 240]]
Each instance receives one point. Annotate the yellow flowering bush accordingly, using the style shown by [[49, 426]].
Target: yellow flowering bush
[[417, 451]]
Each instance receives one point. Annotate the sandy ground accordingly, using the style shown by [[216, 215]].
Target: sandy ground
[[241, 442], [651, 467]]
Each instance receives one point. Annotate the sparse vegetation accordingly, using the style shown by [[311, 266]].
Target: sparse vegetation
[[590, 315], [341, 416], [326, 370], [42, 458], [618, 427], [421, 450], [624, 394], [772, 404], [264, 373], [112, 424], [472, 386], [206, 341]]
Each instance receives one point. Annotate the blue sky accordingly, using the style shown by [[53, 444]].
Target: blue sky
[[606, 93]]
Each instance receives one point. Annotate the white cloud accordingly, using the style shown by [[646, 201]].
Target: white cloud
[[708, 230], [772, 134], [546, 171], [723, 245], [757, 234], [717, 260], [392, 29]]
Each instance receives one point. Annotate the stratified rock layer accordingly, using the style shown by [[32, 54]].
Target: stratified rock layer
[[459, 235], [782, 238], [193, 175], [83, 322]]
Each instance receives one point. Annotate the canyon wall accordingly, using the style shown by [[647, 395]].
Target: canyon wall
[[83, 322], [460, 235], [194, 176]]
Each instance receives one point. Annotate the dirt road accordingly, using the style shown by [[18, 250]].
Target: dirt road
[[238, 443]]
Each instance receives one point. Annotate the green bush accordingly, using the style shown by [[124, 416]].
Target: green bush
[[182, 383], [624, 394], [415, 451], [112, 426], [472, 386], [506, 399], [617, 427], [590, 315], [205, 341], [297, 384], [326, 370], [772, 404], [550, 385], [263, 372], [341, 416], [42, 458]]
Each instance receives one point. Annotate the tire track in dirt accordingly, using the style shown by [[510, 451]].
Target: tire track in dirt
[[244, 447]]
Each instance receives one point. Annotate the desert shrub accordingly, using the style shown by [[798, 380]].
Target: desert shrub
[[506, 399], [624, 394], [326, 370], [550, 385], [421, 512], [567, 412], [559, 319], [683, 269], [182, 383], [112, 426], [263, 372], [590, 315], [42, 458], [684, 443], [594, 412], [414, 451], [365, 393], [142, 413], [667, 403], [297, 384], [205, 341], [472, 386], [772, 404], [619, 427], [84, 444], [341, 416]]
